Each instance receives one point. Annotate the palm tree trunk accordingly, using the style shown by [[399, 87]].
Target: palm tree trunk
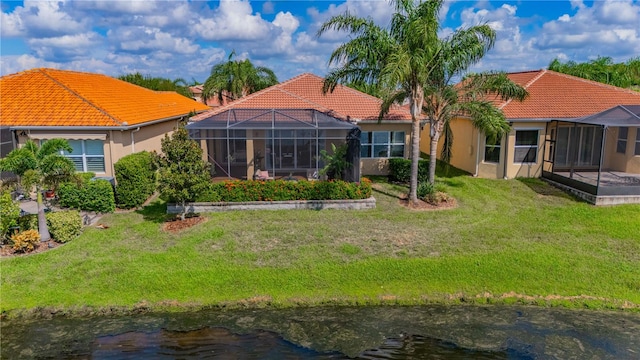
[[415, 160], [433, 153], [43, 229]]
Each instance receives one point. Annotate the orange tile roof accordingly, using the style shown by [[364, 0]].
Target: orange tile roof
[[553, 95], [49, 97], [305, 92]]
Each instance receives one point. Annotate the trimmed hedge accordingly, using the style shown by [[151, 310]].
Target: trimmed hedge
[[136, 179], [400, 170], [282, 190], [92, 195], [64, 226]]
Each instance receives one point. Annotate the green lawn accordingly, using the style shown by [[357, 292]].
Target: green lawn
[[520, 238]]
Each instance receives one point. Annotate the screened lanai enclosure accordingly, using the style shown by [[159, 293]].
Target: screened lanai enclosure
[[598, 155], [239, 143]]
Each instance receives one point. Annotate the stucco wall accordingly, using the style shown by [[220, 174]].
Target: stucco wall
[[464, 152], [525, 169], [117, 143], [627, 162], [380, 166]]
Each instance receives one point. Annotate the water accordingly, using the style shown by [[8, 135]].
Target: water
[[424, 332]]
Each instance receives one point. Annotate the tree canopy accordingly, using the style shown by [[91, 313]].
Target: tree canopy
[[236, 79], [604, 70], [178, 85]]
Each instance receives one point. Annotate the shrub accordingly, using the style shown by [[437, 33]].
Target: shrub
[[64, 225], [400, 170], [93, 195], [425, 189], [28, 222], [281, 190], [25, 241], [136, 178], [9, 214]]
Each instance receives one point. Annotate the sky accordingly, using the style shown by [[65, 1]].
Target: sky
[[185, 39]]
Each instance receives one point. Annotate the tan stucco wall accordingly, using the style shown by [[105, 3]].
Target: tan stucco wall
[[464, 152], [118, 143], [627, 162], [380, 166], [525, 170]]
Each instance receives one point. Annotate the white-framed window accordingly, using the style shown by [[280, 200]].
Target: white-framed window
[[526, 147], [87, 155], [621, 144], [637, 152], [382, 144], [492, 150]]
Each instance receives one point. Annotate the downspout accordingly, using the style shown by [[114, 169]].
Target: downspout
[[506, 155], [113, 169], [477, 154], [133, 141]]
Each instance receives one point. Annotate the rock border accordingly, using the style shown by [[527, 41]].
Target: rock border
[[205, 207]]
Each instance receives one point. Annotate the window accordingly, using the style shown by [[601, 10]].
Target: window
[[87, 155], [492, 150], [381, 144], [637, 152], [526, 148], [623, 134]]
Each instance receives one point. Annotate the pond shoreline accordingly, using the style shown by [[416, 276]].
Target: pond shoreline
[[582, 302]]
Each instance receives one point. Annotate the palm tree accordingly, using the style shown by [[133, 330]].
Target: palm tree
[[46, 164], [236, 79], [178, 85], [410, 62]]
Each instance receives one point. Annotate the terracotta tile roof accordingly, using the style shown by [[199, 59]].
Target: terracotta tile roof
[[305, 92], [553, 95], [48, 97]]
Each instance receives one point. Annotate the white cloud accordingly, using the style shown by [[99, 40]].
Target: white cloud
[[49, 18], [233, 20], [147, 40]]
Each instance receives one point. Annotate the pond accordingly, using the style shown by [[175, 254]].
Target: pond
[[416, 332]]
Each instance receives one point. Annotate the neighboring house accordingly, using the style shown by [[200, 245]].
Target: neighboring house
[[213, 101], [284, 128], [541, 126], [103, 118]]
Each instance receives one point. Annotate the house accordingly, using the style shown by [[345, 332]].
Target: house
[[103, 118], [547, 134], [213, 102], [284, 128]]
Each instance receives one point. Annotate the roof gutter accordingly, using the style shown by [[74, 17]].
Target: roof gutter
[[84, 128]]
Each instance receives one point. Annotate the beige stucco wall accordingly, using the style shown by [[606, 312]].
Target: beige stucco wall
[[520, 169], [118, 142], [464, 152], [627, 162], [380, 166]]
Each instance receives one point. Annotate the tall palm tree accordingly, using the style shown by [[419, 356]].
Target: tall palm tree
[[236, 79], [47, 164], [411, 63]]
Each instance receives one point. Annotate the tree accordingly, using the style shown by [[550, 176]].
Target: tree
[[178, 85], [409, 61], [46, 164], [182, 174], [236, 79], [604, 70]]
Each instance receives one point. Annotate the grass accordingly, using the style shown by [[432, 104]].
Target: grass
[[507, 241]]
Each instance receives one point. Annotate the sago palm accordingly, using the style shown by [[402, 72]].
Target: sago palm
[[48, 166]]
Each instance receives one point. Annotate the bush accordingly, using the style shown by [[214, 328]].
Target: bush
[[136, 179], [92, 195], [281, 190], [9, 214], [425, 191], [28, 222], [400, 170], [25, 241], [64, 226]]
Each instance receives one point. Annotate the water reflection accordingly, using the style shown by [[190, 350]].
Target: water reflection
[[440, 332]]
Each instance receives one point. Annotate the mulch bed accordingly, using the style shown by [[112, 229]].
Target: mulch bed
[[450, 203], [177, 225], [7, 250]]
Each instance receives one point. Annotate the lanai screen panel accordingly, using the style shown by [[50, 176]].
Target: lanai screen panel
[[280, 140]]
